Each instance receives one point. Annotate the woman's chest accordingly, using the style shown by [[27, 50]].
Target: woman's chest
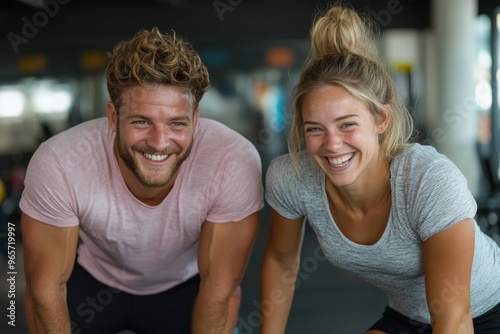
[[361, 228]]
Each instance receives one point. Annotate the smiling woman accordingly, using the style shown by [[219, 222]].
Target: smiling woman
[[395, 213], [341, 135]]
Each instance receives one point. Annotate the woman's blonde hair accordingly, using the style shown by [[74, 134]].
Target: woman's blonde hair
[[343, 53], [151, 58]]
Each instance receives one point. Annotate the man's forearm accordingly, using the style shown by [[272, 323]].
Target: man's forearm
[[47, 314], [215, 317]]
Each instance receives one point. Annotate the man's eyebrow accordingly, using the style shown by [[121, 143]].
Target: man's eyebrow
[[137, 116], [149, 119]]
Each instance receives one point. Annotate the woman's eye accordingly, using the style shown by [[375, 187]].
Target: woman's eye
[[347, 125]]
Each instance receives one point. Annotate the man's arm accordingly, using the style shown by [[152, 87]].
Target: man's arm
[[222, 258], [49, 255], [448, 264]]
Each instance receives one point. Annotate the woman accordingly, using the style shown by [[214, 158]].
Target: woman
[[397, 214]]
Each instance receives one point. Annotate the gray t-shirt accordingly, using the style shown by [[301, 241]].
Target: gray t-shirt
[[429, 194]]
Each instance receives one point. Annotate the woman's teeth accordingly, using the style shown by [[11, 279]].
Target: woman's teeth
[[340, 161]]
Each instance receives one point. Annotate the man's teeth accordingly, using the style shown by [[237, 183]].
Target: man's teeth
[[338, 162], [155, 157]]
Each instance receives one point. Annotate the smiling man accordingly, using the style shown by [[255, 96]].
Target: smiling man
[[143, 220]]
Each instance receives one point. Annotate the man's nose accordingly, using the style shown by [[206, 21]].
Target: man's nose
[[158, 138]]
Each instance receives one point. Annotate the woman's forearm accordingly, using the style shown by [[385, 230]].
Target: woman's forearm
[[277, 289]]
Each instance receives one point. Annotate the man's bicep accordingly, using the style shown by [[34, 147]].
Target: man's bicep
[[225, 248], [49, 251]]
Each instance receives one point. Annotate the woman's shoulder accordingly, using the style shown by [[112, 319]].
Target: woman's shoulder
[[291, 182], [421, 166], [419, 158], [299, 166], [295, 176], [281, 171]]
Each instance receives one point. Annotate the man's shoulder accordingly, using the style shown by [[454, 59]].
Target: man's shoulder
[[218, 148], [212, 134], [80, 145], [214, 127], [85, 133]]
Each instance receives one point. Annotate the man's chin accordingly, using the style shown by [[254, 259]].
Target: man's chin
[[153, 183]]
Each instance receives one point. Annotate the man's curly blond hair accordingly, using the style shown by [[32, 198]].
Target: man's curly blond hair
[[151, 58]]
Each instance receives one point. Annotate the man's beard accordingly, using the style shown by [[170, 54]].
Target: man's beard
[[131, 162]]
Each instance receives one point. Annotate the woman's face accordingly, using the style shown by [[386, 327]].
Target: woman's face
[[342, 135]]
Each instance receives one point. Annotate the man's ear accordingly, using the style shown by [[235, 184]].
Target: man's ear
[[112, 116], [196, 116]]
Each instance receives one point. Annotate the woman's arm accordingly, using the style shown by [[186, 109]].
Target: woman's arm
[[279, 272], [448, 264]]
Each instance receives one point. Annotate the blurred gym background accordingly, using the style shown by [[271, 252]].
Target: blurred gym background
[[444, 55]]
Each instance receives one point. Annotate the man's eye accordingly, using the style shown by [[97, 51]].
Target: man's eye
[[140, 122]]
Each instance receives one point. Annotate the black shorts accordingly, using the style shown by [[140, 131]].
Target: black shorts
[[96, 308], [393, 322]]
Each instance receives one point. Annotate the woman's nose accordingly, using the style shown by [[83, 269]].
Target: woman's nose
[[333, 140]]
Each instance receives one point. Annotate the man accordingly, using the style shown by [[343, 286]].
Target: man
[[158, 206]]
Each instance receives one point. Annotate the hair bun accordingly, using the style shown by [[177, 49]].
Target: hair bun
[[342, 31]]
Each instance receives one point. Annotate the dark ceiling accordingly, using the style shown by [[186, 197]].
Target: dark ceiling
[[66, 27], [100, 23], [95, 24]]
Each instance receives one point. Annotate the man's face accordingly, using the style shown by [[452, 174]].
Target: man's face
[[154, 133]]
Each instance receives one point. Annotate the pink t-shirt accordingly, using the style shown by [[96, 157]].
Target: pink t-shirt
[[73, 179]]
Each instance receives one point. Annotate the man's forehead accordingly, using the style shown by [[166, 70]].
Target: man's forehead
[[139, 97], [138, 92]]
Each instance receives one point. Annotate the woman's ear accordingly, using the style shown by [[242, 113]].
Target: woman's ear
[[383, 119]]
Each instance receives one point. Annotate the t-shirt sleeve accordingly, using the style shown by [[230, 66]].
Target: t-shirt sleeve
[[47, 196], [441, 199], [282, 188], [239, 185]]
